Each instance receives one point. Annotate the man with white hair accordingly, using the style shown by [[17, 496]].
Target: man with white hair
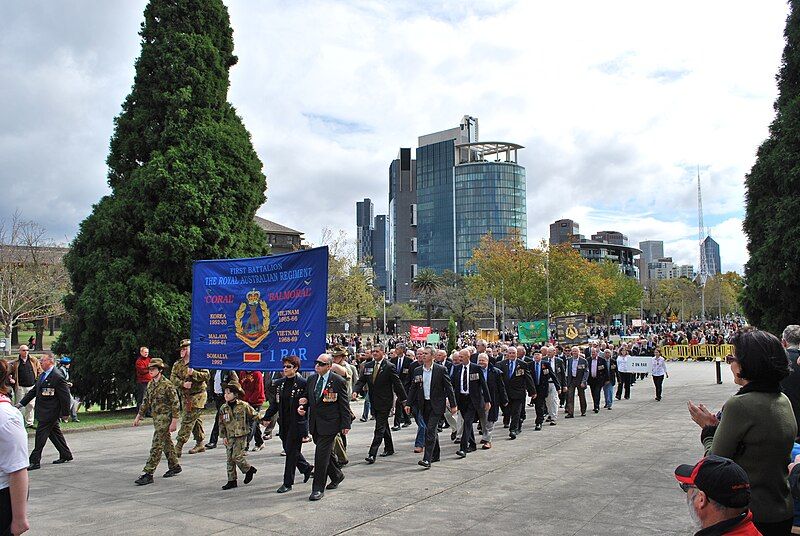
[[790, 385], [22, 374], [557, 384]]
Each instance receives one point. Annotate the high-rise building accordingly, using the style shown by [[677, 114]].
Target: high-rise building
[[611, 237], [563, 231], [402, 222], [381, 258], [651, 250], [365, 220], [712, 256]]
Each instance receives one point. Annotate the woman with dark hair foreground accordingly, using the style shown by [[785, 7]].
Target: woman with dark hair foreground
[[13, 462], [756, 427]]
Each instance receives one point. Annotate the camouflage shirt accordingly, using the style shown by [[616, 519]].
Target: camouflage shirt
[[160, 399], [195, 396], [235, 421]]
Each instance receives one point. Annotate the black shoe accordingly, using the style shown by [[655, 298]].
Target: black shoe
[[248, 476], [145, 479], [537, 427], [405, 424], [461, 454], [34, 466], [315, 496], [75, 419], [609, 407], [230, 485], [307, 476], [505, 426], [284, 489], [596, 410], [172, 472], [362, 419], [424, 463], [386, 453], [512, 435], [211, 445], [370, 459], [617, 398], [395, 428], [552, 423], [334, 485], [62, 460], [583, 414], [453, 435], [569, 416]]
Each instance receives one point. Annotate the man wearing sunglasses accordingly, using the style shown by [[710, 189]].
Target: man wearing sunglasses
[[329, 414]]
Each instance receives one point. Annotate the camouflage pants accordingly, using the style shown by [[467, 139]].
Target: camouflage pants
[[191, 423], [162, 442], [236, 456]]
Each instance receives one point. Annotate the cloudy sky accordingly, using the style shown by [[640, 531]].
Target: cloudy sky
[[616, 103]]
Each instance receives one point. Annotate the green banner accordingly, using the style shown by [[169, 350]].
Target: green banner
[[530, 332], [433, 338]]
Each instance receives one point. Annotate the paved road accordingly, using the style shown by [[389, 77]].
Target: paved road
[[609, 473]]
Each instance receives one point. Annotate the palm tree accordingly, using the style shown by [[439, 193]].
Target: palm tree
[[426, 284]]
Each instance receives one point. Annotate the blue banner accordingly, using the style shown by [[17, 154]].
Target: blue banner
[[247, 314]]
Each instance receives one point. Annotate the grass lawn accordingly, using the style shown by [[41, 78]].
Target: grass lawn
[[25, 335]]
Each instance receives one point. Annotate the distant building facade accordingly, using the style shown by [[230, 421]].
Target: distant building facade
[[711, 248], [365, 221], [402, 221], [281, 239], [563, 232]]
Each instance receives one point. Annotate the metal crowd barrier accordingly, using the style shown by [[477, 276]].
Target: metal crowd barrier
[[701, 352]]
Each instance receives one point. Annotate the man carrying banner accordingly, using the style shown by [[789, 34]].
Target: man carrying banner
[[191, 386]]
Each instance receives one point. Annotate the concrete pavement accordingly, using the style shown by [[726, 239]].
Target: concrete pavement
[[595, 475]]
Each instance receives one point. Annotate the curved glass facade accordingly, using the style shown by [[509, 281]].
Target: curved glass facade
[[489, 198]]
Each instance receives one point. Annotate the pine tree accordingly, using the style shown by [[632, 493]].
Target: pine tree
[[771, 297], [185, 184]]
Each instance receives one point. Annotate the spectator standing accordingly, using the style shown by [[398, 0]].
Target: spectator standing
[[252, 382], [22, 377], [659, 371], [142, 367], [13, 462]]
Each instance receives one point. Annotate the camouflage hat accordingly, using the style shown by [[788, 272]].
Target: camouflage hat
[[233, 385], [157, 362], [338, 351], [185, 343]]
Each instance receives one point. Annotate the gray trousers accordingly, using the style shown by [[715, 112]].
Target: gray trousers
[[487, 427]]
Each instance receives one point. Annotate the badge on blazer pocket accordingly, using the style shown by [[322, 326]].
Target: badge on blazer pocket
[[226, 417], [368, 370], [473, 377], [581, 366], [601, 367], [48, 391], [418, 379], [546, 371], [328, 396], [519, 372]]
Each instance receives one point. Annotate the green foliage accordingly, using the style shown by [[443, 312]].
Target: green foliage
[[455, 297], [403, 311], [772, 219], [185, 184], [426, 285], [452, 335]]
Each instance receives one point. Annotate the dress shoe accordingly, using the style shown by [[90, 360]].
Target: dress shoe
[[370, 459], [395, 428], [248, 476], [512, 435], [569, 416], [405, 424], [362, 419], [552, 423], [145, 479], [472, 448], [307, 476], [386, 453], [34, 466], [258, 447], [172, 472], [537, 427], [434, 460], [230, 485], [62, 460], [461, 454], [315, 496], [75, 419], [418, 450], [266, 437], [334, 485], [505, 426], [453, 435], [486, 446], [424, 463], [283, 489], [583, 414], [596, 410], [211, 446], [197, 448]]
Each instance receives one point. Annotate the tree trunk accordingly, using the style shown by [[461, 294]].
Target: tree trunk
[[15, 336], [39, 334], [51, 324], [428, 310]]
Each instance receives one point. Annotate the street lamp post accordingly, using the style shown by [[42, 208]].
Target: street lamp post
[[385, 331], [503, 309], [547, 278]]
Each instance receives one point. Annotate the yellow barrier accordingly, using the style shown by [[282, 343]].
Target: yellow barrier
[[696, 351]]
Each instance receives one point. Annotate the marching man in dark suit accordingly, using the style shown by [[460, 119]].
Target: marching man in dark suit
[[430, 389], [518, 382], [497, 396], [383, 382], [403, 365], [577, 376], [329, 414], [472, 395], [542, 374], [52, 403], [598, 377]]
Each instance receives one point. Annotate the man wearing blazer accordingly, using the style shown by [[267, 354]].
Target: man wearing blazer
[[577, 375], [329, 414], [403, 365], [558, 383], [497, 396], [430, 390], [472, 396], [381, 378], [598, 377], [518, 383], [52, 403]]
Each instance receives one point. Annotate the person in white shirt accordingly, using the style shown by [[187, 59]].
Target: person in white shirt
[[13, 462], [624, 377], [658, 372]]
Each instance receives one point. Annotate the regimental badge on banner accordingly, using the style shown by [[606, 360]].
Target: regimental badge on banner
[[572, 329], [420, 333], [255, 327]]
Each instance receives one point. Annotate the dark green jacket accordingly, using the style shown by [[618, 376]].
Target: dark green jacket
[[757, 431]]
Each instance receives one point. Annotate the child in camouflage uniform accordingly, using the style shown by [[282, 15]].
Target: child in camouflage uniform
[[161, 400], [235, 417]]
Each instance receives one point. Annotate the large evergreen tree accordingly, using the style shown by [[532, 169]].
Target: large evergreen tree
[[771, 297], [185, 185]]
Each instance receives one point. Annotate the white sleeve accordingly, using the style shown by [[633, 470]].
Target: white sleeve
[[13, 444]]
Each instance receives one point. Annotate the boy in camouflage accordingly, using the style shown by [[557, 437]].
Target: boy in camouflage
[[235, 417], [191, 386], [161, 400]]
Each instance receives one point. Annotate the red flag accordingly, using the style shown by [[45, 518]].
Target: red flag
[[420, 333]]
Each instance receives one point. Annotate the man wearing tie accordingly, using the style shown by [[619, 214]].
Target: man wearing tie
[[542, 375], [558, 384], [329, 414], [577, 376], [497, 396], [52, 402], [403, 365], [430, 389], [518, 382], [598, 377], [472, 396], [383, 382]]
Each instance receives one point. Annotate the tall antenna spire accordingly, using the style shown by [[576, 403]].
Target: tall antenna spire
[[703, 275]]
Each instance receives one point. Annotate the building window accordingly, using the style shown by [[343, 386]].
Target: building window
[[413, 214], [414, 244], [413, 271]]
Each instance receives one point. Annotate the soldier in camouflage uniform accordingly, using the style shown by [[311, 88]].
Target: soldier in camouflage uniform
[[235, 417], [161, 400], [191, 386]]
